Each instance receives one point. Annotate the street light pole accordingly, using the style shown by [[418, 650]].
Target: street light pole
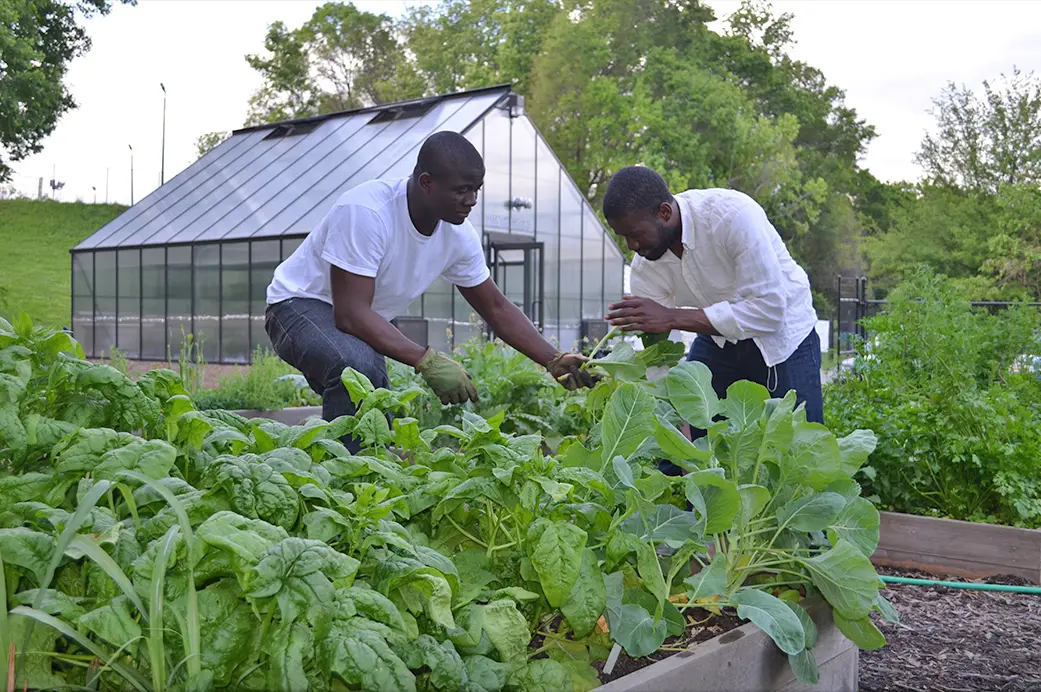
[[95, 189], [162, 165], [131, 175]]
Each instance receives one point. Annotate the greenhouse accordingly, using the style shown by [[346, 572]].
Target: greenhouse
[[195, 256]]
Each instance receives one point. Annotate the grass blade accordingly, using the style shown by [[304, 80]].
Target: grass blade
[[156, 648], [103, 560], [193, 637], [90, 500], [129, 674]]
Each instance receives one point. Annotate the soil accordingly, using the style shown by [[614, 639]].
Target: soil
[[955, 640], [712, 627]]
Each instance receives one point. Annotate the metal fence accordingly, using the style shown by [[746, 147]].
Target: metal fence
[[856, 300]]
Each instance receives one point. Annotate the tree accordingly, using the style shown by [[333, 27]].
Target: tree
[[982, 144], [208, 141], [38, 40]]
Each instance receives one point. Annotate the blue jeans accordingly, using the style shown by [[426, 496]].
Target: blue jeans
[[304, 334], [743, 361]]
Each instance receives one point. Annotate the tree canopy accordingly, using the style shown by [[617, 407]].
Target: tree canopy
[[38, 40]]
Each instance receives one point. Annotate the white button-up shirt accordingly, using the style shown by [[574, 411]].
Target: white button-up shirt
[[736, 268]]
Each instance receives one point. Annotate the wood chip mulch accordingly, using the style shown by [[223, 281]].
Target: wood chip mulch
[[956, 640]]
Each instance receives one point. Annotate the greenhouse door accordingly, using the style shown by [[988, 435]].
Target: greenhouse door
[[517, 270]]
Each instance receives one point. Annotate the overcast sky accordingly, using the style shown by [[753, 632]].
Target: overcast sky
[[890, 56]]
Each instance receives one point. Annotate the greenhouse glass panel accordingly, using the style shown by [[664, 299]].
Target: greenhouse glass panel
[[592, 267], [128, 308], [234, 327], [522, 181], [614, 267], [265, 257], [207, 294], [83, 300], [547, 231], [468, 323], [178, 298], [289, 246], [197, 223], [476, 137], [396, 159], [166, 218], [153, 303], [126, 223], [497, 171], [104, 302], [570, 266], [327, 143]]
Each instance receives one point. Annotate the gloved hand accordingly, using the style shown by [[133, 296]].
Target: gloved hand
[[449, 380], [566, 368]]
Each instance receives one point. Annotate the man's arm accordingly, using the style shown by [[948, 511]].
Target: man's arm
[[508, 322], [353, 313]]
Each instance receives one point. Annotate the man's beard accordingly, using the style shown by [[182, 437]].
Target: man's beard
[[666, 237]]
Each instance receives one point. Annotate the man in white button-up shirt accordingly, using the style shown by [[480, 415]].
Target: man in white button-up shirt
[[710, 262]]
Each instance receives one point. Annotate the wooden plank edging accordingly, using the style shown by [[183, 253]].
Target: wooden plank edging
[[958, 548]]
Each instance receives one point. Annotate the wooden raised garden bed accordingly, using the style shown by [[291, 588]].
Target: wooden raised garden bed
[[289, 416], [747, 660], [958, 548]]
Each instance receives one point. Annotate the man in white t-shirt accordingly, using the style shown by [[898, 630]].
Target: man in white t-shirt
[[381, 246], [710, 262]]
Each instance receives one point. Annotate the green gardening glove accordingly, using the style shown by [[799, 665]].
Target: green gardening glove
[[447, 378]]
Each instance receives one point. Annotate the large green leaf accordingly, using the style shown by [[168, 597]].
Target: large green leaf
[[804, 667], [113, 622], [556, 554], [358, 386], [854, 450], [228, 630], [814, 458], [846, 578], [357, 651], [745, 403], [668, 523], [710, 581], [30, 550], [813, 513], [637, 632], [585, 604], [860, 631], [255, 489], [675, 445], [689, 385], [506, 628], [752, 498], [773, 616], [859, 524], [720, 496], [628, 421], [649, 568], [541, 675], [441, 659], [622, 363]]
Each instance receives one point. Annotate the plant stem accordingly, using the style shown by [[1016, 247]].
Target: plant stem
[[465, 532]]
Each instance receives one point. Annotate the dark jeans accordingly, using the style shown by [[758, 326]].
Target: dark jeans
[[304, 334], [743, 361]]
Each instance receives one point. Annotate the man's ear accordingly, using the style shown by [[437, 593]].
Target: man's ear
[[665, 211], [425, 180]]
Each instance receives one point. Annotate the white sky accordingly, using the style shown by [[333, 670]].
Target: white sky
[[891, 57]]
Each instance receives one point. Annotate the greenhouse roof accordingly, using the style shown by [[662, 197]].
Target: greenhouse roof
[[279, 179]]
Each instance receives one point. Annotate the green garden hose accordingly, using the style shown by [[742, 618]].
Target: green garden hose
[[962, 585]]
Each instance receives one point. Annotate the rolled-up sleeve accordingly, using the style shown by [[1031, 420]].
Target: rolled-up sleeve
[[760, 309]]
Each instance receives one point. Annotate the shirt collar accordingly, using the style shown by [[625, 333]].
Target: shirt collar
[[687, 222]]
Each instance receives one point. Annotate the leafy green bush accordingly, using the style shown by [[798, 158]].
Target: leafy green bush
[[959, 424], [269, 384]]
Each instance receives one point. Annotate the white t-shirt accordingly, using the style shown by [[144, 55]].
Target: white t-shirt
[[369, 232]]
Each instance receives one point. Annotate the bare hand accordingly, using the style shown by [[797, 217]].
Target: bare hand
[[634, 314]]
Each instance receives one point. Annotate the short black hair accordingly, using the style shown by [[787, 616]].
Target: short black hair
[[635, 190], [445, 152]]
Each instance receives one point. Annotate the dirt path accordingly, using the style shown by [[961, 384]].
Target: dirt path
[[954, 640]]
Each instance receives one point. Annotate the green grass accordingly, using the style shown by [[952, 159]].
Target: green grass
[[35, 239]]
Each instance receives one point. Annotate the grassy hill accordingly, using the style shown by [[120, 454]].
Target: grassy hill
[[35, 238]]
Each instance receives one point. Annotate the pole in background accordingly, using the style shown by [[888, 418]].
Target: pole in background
[[162, 164], [106, 185], [131, 175], [95, 189]]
